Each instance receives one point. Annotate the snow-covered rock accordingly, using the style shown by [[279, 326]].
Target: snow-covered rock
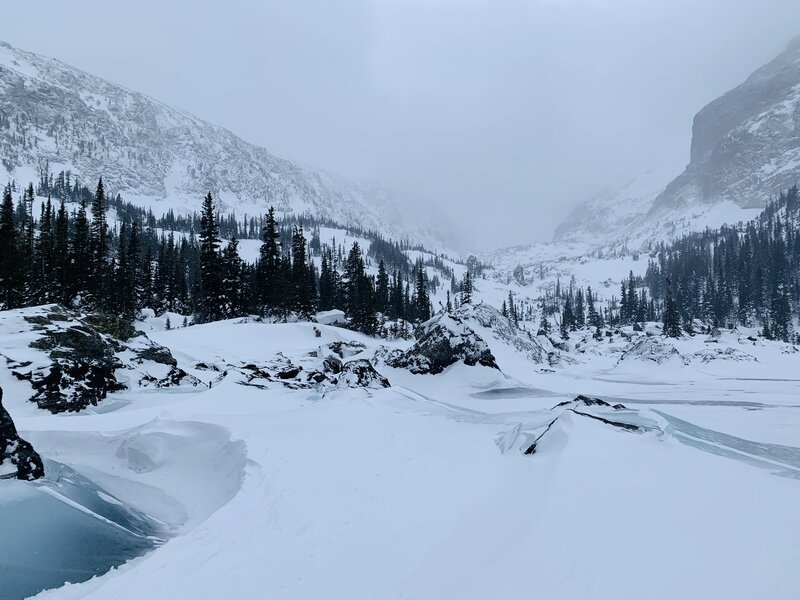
[[491, 323], [18, 459], [442, 341], [361, 373], [331, 317], [74, 360], [652, 349]]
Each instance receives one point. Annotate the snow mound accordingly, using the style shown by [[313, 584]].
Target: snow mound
[[178, 472], [653, 349], [708, 355]]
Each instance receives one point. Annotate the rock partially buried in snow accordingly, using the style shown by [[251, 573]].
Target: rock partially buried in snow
[[17, 457], [361, 373], [652, 349], [582, 400], [444, 340], [85, 357]]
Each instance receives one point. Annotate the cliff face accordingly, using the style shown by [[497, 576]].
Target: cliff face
[[745, 144], [745, 149]]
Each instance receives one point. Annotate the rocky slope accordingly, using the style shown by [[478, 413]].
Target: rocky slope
[[55, 116]]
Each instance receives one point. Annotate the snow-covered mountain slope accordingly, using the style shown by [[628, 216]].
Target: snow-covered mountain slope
[[474, 483], [745, 149], [605, 216], [58, 117]]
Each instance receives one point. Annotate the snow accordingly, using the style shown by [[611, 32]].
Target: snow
[[422, 490]]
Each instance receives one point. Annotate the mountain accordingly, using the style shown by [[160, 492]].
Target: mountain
[[613, 210], [745, 149], [745, 144], [54, 116]]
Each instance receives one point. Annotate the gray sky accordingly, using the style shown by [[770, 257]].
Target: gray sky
[[500, 114]]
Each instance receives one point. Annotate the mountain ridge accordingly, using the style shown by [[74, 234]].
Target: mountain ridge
[[57, 117]]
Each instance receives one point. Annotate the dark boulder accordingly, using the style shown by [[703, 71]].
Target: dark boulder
[[361, 373], [331, 364], [289, 372], [13, 448]]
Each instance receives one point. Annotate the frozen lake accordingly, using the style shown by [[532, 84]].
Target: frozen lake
[[65, 529]]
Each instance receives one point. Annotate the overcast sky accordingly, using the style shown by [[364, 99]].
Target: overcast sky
[[500, 114]]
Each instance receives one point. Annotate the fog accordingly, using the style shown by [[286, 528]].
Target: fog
[[495, 116]]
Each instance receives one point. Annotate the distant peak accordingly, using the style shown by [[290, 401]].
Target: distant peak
[[794, 44]]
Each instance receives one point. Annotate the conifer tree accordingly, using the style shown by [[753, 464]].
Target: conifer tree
[[79, 256], [269, 264], [98, 250], [466, 288], [233, 280], [212, 297], [382, 288], [672, 324], [579, 309], [422, 301], [303, 293], [10, 268], [594, 318], [61, 254]]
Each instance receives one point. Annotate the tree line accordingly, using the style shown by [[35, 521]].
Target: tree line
[[76, 259]]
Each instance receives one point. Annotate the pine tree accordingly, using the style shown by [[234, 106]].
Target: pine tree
[[466, 288], [80, 260], [303, 296], [672, 324], [544, 322], [422, 301], [61, 255], [580, 310], [98, 251], [10, 268], [27, 251], [42, 288], [326, 285], [232, 280], [382, 288], [594, 318], [212, 297], [269, 264], [567, 318], [359, 293]]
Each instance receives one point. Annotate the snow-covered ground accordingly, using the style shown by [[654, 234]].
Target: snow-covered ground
[[423, 490]]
